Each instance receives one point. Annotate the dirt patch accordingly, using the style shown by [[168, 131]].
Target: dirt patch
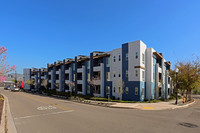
[[1, 106]]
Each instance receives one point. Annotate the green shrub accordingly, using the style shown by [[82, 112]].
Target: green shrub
[[146, 100], [161, 99]]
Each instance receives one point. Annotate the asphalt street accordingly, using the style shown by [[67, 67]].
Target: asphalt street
[[41, 114]]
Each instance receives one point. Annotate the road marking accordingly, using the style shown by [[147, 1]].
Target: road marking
[[46, 107], [148, 108], [30, 116], [43, 101]]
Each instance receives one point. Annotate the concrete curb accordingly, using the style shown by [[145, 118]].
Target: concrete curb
[[3, 117], [185, 106], [170, 108], [9, 126]]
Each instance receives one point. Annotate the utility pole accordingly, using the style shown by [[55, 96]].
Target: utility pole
[[176, 86], [16, 78]]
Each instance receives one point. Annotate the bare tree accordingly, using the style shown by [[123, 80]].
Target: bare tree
[[94, 83], [45, 83], [120, 86]]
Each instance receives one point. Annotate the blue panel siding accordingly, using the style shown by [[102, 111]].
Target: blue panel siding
[[130, 84]]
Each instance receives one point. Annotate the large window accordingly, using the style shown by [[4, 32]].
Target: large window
[[74, 77], [143, 93], [88, 77], [136, 90], [88, 65], [119, 58], [114, 59], [108, 62], [108, 76], [107, 90], [143, 58], [142, 75], [73, 66]]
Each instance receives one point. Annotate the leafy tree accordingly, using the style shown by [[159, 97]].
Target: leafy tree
[[188, 76]]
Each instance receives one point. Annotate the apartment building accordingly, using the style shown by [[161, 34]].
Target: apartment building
[[35, 77], [132, 72]]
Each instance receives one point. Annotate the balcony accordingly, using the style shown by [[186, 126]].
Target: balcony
[[49, 81], [66, 71], [42, 77], [32, 77], [80, 70], [49, 73], [97, 68], [79, 81], [57, 72], [58, 81]]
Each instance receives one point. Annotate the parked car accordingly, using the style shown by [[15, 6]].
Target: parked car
[[14, 88], [7, 87]]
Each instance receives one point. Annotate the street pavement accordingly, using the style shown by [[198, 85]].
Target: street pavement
[[40, 114]]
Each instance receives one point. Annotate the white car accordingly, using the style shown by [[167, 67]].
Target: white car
[[14, 88]]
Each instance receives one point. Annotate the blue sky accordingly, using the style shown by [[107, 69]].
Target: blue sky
[[37, 32]]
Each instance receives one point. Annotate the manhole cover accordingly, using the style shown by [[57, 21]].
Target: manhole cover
[[190, 125]]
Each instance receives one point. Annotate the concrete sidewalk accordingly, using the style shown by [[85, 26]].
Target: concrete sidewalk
[[152, 106]]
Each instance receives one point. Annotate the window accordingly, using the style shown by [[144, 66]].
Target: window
[[114, 74], [126, 56], [107, 90], [136, 90], [143, 93], [119, 75], [154, 61], [74, 66], [88, 77], [114, 89], [108, 62], [143, 58], [119, 58], [108, 76], [136, 73], [88, 89], [127, 90], [142, 75], [74, 77], [136, 55], [127, 73], [114, 58], [88, 65]]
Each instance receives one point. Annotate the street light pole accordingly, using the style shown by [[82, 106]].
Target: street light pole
[[176, 86], [176, 91], [15, 77]]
